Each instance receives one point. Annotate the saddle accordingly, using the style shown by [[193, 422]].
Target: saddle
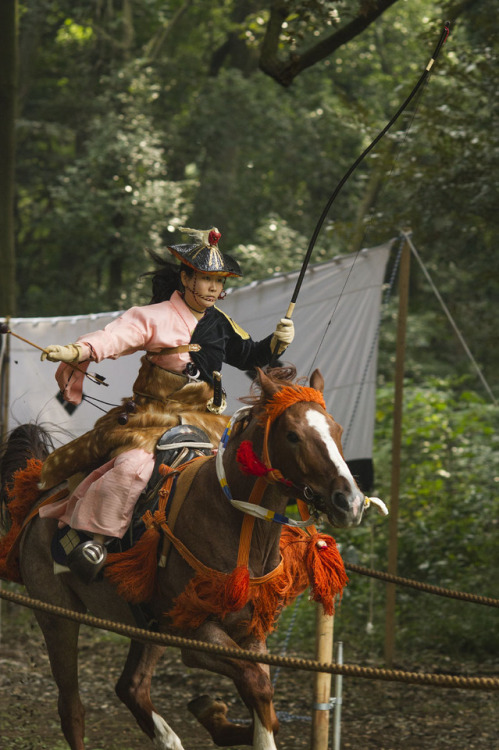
[[176, 446]]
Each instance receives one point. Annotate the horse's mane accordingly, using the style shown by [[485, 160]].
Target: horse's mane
[[280, 376]]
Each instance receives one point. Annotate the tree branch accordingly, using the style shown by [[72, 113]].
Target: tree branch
[[156, 43], [284, 72], [269, 61]]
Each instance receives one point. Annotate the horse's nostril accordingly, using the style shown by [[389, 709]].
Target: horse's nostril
[[341, 501]]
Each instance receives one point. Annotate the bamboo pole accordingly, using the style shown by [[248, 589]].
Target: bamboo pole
[[396, 450], [322, 685], [338, 701]]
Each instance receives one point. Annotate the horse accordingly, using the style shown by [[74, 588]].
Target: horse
[[303, 459]]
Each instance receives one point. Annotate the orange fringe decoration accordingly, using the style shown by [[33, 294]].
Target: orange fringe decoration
[[289, 395], [204, 596], [134, 572], [304, 564], [326, 571], [236, 589], [23, 493]]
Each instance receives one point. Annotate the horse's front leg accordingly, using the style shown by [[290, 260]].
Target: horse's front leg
[[134, 690], [253, 684]]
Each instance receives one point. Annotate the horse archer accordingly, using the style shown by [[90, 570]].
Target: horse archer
[[228, 575]]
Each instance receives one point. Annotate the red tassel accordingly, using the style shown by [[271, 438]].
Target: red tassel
[[326, 571], [249, 461], [237, 589], [134, 572]]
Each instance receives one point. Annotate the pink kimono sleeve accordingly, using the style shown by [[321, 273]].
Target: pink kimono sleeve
[[70, 381]]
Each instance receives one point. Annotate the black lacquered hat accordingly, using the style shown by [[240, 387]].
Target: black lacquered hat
[[204, 255]]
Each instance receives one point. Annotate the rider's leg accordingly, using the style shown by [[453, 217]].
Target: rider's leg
[[102, 505]]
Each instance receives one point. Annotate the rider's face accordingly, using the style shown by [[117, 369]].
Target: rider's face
[[202, 289]]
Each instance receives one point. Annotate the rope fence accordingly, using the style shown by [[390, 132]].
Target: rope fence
[[164, 639], [420, 586]]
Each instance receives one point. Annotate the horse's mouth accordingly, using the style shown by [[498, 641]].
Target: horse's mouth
[[339, 509]]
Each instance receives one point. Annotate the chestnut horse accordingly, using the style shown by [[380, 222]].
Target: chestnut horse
[[304, 445]]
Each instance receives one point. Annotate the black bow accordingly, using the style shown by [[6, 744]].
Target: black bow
[[425, 74]]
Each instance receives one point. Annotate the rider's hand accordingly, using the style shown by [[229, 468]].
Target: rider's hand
[[56, 353], [283, 335]]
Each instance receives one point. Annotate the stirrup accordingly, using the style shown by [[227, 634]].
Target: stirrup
[[87, 560]]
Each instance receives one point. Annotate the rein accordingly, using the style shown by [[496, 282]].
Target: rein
[[272, 476]]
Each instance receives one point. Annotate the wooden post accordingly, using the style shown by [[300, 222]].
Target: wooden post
[[9, 71], [322, 686], [396, 450], [4, 414]]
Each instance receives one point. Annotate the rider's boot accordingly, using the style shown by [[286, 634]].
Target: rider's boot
[[88, 558]]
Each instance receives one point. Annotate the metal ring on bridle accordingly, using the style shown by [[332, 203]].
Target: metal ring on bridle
[[308, 493]]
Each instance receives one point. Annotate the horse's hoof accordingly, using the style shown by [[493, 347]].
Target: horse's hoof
[[87, 560], [204, 706], [199, 705]]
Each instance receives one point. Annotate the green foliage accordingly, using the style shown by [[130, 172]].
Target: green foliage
[[448, 527], [212, 140], [256, 151]]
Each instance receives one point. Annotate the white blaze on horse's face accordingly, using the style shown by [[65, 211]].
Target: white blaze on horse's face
[[347, 501]]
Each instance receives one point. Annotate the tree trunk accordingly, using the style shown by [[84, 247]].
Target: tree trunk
[[8, 90]]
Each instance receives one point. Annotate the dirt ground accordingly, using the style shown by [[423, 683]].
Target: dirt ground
[[375, 715]]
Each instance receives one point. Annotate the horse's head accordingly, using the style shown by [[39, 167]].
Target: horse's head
[[305, 445]]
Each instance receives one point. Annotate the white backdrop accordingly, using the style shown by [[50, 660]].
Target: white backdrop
[[336, 320]]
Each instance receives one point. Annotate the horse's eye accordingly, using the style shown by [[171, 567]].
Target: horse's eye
[[293, 437]]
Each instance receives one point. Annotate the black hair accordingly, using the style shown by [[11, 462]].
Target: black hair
[[166, 278]]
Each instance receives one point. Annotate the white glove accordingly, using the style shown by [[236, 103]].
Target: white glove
[[56, 353], [283, 335]]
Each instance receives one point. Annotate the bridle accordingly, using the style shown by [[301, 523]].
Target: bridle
[[250, 463]]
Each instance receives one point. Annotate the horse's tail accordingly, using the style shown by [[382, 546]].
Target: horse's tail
[[24, 442]]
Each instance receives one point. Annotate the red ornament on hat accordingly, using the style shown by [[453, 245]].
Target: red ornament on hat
[[214, 237]]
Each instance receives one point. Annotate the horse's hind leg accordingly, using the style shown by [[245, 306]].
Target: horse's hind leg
[[61, 634], [61, 637], [133, 689]]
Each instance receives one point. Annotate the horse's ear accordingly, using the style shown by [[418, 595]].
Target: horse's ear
[[317, 381], [269, 388]]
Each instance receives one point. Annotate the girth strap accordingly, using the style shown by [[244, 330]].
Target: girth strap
[[184, 476], [200, 567]]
